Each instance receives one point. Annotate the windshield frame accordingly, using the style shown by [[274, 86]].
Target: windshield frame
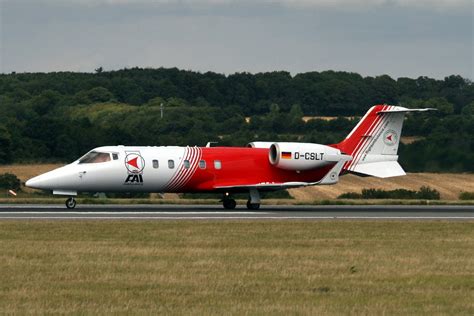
[[94, 156]]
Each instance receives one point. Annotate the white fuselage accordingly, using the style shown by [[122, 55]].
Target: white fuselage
[[153, 175]]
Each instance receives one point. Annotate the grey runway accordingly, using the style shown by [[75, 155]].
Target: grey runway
[[216, 212]]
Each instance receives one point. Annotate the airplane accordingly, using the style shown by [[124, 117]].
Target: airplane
[[370, 149]]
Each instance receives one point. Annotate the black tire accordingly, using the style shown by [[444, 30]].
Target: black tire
[[70, 203], [229, 204], [253, 206]]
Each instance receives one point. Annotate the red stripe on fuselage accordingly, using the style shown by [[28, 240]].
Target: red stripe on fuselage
[[188, 172], [244, 166], [179, 171]]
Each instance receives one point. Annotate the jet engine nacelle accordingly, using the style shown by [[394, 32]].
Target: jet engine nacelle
[[259, 144], [302, 156]]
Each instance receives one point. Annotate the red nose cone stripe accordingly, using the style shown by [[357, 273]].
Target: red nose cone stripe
[[133, 162]]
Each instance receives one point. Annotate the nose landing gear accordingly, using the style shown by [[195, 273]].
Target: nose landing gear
[[71, 203]]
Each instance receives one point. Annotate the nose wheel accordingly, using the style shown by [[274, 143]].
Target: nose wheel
[[70, 203]]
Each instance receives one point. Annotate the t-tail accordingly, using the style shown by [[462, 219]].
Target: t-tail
[[373, 143]]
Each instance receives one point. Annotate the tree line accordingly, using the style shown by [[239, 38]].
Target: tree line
[[60, 116]]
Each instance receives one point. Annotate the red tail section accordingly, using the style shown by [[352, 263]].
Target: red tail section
[[373, 143], [356, 139]]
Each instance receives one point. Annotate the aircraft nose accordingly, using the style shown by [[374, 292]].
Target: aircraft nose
[[39, 182], [61, 178]]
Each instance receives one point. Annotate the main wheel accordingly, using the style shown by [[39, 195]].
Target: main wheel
[[229, 204], [70, 203], [253, 206]]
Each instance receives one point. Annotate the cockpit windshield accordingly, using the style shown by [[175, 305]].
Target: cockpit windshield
[[95, 157]]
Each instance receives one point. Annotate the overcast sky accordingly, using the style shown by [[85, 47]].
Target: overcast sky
[[402, 38]]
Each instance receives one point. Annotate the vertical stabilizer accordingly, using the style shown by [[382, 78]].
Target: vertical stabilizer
[[373, 143]]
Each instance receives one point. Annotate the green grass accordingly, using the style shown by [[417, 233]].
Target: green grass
[[237, 267]]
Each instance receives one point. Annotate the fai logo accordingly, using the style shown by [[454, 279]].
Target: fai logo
[[135, 165], [390, 137]]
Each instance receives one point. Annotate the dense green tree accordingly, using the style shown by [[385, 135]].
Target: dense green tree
[[468, 109], [5, 145], [10, 181], [46, 101], [59, 116], [441, 104], [97, 94]]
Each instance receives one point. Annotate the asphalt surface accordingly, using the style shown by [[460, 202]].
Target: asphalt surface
[[216, 212]]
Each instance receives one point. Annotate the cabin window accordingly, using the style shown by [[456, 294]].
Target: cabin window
[[155, 164], [186, 164], [217, 164], [171, 164], [95, 157], [202, 164], [115, 156]]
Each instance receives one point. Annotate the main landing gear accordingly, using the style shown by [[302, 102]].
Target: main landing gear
[[71, 203], [253, 202], [252, 206], [229, 203]]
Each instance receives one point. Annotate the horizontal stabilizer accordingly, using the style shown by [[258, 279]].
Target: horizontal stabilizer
[[399, 109], [380, 169]]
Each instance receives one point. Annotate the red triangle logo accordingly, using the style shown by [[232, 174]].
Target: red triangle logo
[[389, 137], [133, 162]]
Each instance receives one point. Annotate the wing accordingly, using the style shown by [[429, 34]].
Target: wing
[[331, 177], [265, 186]]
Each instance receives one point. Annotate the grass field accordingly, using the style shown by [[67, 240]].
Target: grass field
[[259, 267], [449, 185]]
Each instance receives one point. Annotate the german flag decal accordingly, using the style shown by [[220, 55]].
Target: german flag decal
[[286, 155]]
